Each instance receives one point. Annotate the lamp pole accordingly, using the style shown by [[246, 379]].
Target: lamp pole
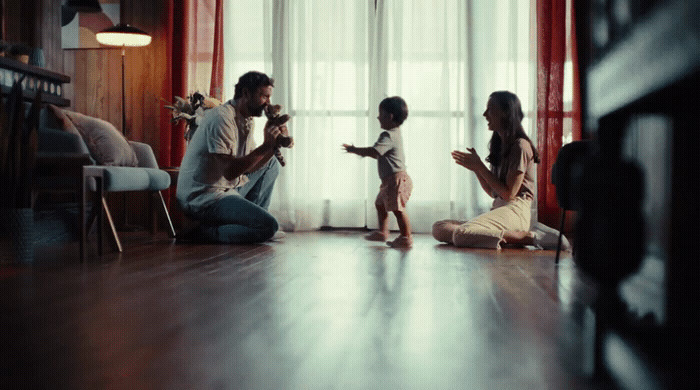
[[125, 219], [123, 94], [123, 35]]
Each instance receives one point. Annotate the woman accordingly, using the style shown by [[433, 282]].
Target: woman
[[510, 180]]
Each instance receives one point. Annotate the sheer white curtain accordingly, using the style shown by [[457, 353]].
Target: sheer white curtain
[[334, 60]]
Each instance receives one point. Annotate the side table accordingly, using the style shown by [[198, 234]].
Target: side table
[[173, 172]]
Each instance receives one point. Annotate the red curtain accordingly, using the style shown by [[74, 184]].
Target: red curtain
[[551, 56], [195, 42], [217, 72]]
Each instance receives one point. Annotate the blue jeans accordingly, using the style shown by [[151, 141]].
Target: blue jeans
[[243, 218]]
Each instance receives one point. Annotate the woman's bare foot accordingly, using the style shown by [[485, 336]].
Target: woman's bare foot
[[518, 238]]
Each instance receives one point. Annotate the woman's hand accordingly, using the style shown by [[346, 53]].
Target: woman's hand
[[349, 148], [469, 159]]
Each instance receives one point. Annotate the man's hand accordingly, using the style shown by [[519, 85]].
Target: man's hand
[[271, 134], [284, 140], [349, 148], [284, 131]]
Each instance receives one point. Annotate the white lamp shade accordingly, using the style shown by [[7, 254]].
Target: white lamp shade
[[123, 35]]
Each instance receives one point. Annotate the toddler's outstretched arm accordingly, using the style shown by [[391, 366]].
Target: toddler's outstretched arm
[[363, 152]]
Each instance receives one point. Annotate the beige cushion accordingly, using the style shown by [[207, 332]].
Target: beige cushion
[[107, 145]]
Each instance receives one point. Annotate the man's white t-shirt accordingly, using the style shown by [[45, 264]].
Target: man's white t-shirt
[[201, 180]]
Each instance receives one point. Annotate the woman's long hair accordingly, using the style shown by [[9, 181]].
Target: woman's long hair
[[499, 148]]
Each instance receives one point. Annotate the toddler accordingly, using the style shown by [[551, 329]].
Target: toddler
[[396, 185]]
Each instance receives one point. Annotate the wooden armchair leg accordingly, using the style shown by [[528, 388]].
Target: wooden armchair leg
[[95, 214], [96, 174]]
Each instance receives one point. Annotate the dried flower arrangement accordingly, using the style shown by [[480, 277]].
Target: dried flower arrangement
[[191, 110]]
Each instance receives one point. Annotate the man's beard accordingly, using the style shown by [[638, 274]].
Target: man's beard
[[257, 111]]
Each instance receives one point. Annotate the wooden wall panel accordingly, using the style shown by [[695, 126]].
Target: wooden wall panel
[[68, 63], [47, 31], [113, 103], [13, 19], [95, 87]]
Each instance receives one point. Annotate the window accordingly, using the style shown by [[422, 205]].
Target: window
[[334, 60]]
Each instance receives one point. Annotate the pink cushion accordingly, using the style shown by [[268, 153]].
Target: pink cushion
[[63, 120], [107, 145]]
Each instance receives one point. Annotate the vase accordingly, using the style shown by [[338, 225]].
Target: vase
[[37, 57], [18, 235]]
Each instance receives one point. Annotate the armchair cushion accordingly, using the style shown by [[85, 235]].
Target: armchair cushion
[[158, 180], [125, 179], [54, 141], [144, 153], [118, 179]]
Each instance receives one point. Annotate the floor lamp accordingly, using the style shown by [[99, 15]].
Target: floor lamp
[[123, 35]]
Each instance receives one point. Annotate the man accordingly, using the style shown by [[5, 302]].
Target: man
[[225, 182]]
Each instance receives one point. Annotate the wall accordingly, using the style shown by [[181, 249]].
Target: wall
[[95, 87]]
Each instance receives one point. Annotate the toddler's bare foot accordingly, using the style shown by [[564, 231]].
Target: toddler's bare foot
[[401, 242], [377, 236]]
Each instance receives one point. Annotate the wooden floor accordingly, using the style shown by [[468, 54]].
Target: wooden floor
[[319, 310]]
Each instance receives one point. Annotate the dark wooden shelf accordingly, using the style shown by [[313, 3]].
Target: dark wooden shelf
[[9, 63], [661, 49], [641, 85], [29, 95], [35, 78]]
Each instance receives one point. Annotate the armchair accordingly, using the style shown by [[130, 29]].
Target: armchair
[[567, 171], [109, 152]]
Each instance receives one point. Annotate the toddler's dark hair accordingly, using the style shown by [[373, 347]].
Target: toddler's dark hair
[[251, 81], [395, 106]]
